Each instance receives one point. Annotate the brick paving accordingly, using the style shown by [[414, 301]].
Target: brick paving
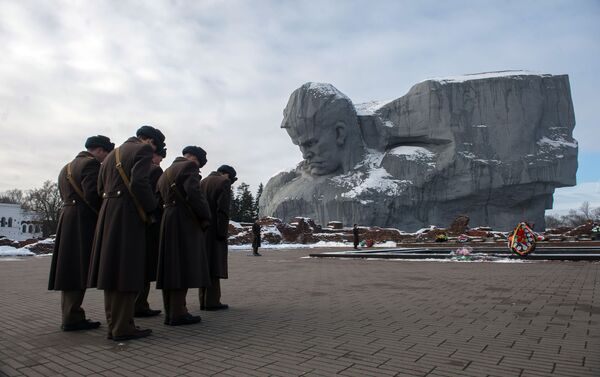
[[293, 316]]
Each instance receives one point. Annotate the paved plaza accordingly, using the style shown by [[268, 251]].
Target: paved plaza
[[295, 316]]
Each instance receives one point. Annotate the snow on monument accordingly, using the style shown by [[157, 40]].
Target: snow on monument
[[493, 146]]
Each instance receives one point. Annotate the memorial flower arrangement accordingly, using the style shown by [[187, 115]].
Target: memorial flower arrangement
[[523, 240], [463, 253], [441, 238], [463, 238]]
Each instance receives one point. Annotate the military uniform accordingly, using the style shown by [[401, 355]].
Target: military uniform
[[182, 261], [118, 264], [142, 308], [217, 188], [256, 238], [74, 236]]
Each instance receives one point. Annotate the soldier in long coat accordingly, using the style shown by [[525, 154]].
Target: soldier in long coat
[[217, 188], [256, 238], [118, 260], [182, 261], [77, 183], [142, 307]]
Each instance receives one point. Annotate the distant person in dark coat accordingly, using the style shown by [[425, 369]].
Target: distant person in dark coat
[[78, 186], [217, 188], [355, 236], [118, 262], [255, 238], [182, 262], [142, 307]]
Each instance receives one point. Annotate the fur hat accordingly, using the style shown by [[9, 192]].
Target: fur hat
[[196, 151], [229, 170], [162, 152], [152, 133], [99, 141]]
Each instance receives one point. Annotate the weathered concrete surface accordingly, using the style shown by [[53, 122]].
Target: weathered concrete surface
[[492, 146]]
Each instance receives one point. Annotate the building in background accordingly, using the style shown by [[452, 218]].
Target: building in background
[[18, 224]]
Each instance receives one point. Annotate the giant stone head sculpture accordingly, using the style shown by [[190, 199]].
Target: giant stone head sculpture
[[493, 146], [323, 123]]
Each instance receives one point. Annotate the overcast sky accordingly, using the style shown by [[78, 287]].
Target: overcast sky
[[218, 73]]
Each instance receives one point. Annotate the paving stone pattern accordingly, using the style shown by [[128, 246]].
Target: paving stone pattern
[[294, 316]]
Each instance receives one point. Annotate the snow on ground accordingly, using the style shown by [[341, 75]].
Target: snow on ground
[[236, 225], [292, 245], [9, 251], [270, 229], [454, 260], [425, 230], [319, 244]]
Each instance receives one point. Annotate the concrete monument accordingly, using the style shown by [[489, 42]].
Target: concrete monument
[[493, 146]]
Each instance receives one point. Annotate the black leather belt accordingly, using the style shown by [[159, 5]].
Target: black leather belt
[[70, 203], [114, 194], [171, 204]]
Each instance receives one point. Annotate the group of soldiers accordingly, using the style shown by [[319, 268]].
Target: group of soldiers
[[126, 223]]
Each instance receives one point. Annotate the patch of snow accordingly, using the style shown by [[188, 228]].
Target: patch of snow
[[479, 126], [46, 241], [375, 179], [486, 75], [559, 143], [386, 244], [389, 124], [283, 171], [326, 90], [236, 224], [467, 154], [412, 153], [369, 108], [495, 162], [292, 246], [472, 156], [271, 229], [425, 230], [9, 251]]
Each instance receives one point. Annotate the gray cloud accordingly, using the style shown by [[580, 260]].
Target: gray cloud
[[218, 74]]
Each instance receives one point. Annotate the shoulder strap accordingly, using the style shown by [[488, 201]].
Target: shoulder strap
[[127, 182], [77, 189], [173, 186]]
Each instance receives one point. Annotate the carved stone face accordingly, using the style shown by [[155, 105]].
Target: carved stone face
[[322, 148], [322, 122]]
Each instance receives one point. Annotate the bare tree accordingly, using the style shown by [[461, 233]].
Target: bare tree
[[14, 196], [46, 202], [586, 210], [553, 221], [596, 214]]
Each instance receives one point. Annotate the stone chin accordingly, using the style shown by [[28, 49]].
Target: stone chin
[[322, 168]]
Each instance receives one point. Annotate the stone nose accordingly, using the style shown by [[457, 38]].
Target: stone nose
[[306, 153]]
